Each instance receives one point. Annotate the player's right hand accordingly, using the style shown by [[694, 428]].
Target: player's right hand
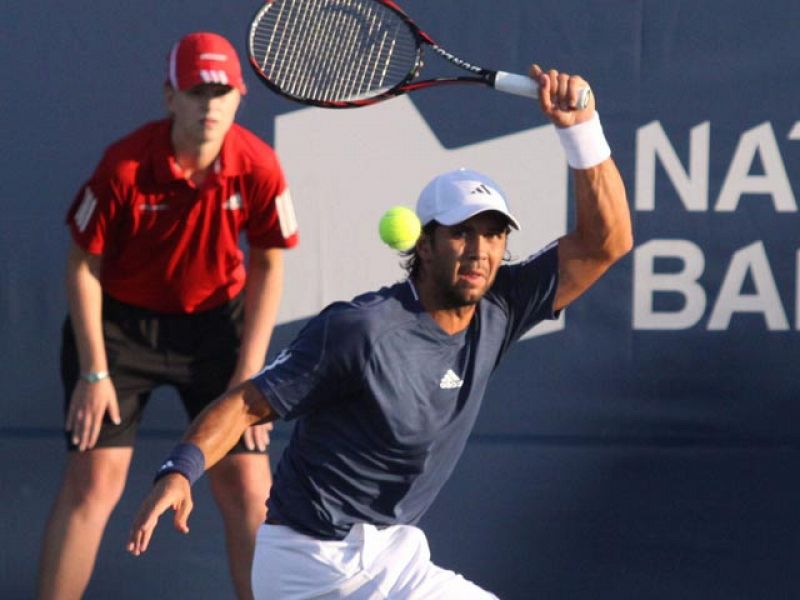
[[171, 491], [87, 407], [558, 96]]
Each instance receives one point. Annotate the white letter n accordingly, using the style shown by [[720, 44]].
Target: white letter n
[[692, 187]]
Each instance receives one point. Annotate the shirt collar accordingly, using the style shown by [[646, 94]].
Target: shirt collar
[[231, 160], [229, 163]]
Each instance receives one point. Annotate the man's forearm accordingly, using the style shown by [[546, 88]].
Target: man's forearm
[[603, 222], [262, 299], [602, 233], [219, 426], [85, 297]]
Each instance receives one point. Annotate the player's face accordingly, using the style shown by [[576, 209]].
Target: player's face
[[463, 259], [203, 113]]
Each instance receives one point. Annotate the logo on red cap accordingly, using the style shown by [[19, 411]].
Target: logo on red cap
[[204, 57]]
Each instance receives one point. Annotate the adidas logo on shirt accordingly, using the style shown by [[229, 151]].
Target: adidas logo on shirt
[[286, 216], [233, 203], [279, 360], [84, 213], [450, 381]]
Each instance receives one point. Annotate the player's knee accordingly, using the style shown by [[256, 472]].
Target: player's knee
[[242, 473], [238, 496], [91, 497], [238, 500], [94, 484]]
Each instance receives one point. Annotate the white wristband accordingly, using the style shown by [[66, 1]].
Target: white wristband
[[584, 144]]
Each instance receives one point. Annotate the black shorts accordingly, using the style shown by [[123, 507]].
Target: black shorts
[[194, 353]]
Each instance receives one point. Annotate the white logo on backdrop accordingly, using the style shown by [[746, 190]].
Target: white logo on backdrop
[[757, 181], [346, 168]]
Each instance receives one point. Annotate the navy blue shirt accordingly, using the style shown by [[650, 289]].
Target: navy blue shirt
[[385, 399]]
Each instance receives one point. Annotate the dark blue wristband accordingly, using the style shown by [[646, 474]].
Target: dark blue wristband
[[186, 459]]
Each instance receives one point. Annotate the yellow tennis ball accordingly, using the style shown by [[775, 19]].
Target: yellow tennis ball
[[399, 228]]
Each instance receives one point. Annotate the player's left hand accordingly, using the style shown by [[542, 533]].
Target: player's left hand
[[171, 491], [257, 437], [558, 96]]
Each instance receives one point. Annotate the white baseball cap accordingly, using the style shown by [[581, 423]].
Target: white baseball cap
[[455, 196]]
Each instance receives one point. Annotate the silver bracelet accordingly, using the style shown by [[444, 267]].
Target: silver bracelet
[[95, 376]]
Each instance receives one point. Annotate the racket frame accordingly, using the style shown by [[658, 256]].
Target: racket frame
[[507, 82]]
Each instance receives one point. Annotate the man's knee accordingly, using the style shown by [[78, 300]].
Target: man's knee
[[241, 482], [96, 478]]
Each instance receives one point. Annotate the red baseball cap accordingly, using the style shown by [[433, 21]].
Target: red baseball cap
[[204, 57]]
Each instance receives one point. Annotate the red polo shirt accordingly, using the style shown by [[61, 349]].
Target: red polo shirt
[[167, 245]]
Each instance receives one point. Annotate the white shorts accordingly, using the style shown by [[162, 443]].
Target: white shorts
[[369, 564]]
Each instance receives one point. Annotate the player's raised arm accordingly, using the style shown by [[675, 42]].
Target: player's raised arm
[[602, 233], [210, 436]]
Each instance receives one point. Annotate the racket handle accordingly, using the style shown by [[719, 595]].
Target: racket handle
[[521, 85]]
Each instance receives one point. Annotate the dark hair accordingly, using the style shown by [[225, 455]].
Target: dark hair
[[411, 261]]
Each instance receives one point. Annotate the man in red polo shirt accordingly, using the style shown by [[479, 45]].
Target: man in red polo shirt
[[158, 294]]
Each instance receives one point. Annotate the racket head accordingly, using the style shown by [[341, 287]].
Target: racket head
[[334, 53]]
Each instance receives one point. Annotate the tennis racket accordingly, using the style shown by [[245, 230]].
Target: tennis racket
[[350, 53]]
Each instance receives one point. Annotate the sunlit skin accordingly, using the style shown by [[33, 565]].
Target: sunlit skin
[[460, 262]]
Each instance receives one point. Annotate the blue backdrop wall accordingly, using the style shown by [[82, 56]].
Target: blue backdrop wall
[[645, 448]]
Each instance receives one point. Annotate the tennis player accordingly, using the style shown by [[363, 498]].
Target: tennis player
[[385, 389], [159, 295]]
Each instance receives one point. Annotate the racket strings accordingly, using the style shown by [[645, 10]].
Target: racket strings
[[336, 63], [332, 50]]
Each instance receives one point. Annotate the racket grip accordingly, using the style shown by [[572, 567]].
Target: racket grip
[[521, 85]]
